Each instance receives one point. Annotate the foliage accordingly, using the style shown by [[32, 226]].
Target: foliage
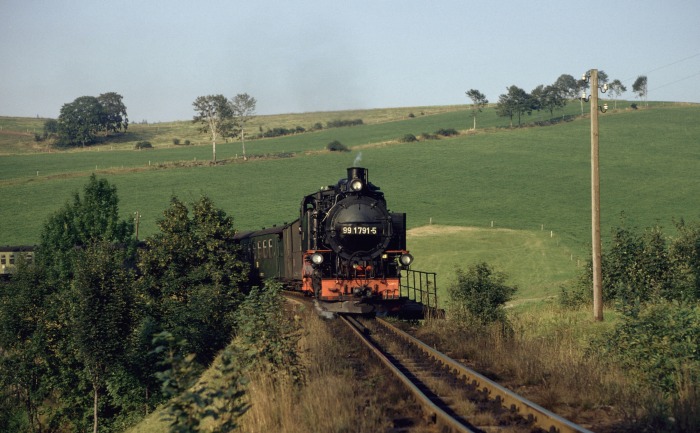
[[641, 267], [143, 145], [215, 116], [640, 87], [27, 363], [567, 86], [446, 132], [338, 123], [263, 327], [408, 138], [191, 403], [81, 120], [243, 109], [176, 141], [617, 89], [101, 313], [548, 98], [92, 217], [514, 103], [337, 146], [658, 343], [480, 294], [479, 101], [114, 117], [193, 276]]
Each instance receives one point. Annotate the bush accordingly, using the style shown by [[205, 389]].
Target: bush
[[176, 141], [446, 132], [337, 146], [339, 123], [408, 138], [426, 136], [657, 343], [187, 142], [143, 145], [480, 295]]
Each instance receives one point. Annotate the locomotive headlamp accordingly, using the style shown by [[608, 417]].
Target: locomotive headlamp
[[317, 258], [356, 185], [406, 259]]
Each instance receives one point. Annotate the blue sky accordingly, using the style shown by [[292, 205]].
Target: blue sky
[[313, 55]]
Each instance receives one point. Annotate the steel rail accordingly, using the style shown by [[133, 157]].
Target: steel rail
[[443, 417], [540, 416]]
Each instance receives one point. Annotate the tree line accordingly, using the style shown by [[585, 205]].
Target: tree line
[[517, 102], [90, 329]]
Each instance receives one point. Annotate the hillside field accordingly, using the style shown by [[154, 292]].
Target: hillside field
[[516, 198]]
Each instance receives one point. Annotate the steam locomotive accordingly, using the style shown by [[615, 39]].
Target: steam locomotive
[[346, 249]]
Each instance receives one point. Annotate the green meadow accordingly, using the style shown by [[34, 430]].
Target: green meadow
[[518, 198]]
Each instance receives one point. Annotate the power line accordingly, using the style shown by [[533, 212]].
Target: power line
[[677, 81], [666, 66]]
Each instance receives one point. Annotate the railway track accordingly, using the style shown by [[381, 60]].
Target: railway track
[[455, 397]]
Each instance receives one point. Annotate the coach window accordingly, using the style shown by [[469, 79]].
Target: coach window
[[12, 259], [3, 260]]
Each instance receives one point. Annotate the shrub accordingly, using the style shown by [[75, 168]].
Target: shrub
[[634, 106], [480, 295], [339, 123], [656, 343], [446, 132], [187, 142], [317, 126], [408, 138], [176, 141], [143, 145], [426, 136], [411, 115], [337, 146]]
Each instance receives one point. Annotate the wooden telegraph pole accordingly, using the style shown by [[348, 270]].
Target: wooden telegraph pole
[[595, 203]]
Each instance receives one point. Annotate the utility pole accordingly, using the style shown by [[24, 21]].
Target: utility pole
[[595, 192], [595, 203]]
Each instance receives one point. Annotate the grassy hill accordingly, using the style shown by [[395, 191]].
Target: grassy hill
[[524, 191]]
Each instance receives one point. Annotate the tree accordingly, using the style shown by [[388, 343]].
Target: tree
[[549, 98], [101, 303], [95, 216], [640, 88], [113, 112], [193, 276], [243, 107], [568, 86], [80, 120], [616, 89], [479, 101], [515, 102], [215, 115]]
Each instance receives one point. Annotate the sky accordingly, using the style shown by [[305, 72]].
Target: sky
[[314, 55]]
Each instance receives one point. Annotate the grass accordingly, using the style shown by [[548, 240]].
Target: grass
[[532, 182]]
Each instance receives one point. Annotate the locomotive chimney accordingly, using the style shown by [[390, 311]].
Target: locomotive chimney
[[357, 173]]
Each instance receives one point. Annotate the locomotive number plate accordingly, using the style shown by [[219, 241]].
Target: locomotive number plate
[[359, 230]]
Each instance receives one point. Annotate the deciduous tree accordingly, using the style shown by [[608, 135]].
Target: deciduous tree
[[215, 116], [80, 121], [479, 101], [616, 89], [114, 112], [243, 107], [515, 102], [640, 88]]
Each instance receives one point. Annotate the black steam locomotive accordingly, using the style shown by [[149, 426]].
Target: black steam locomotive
[[346, 249]]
